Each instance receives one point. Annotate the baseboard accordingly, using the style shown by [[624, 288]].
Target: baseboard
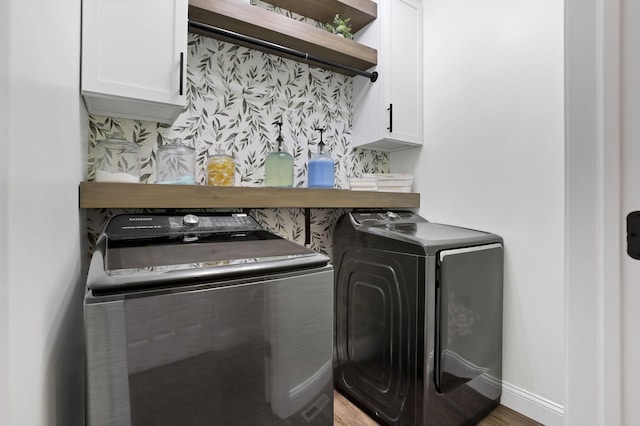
[[531, 405]]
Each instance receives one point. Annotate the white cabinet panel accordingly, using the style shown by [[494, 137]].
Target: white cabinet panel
[[134, 58], [387, 114]]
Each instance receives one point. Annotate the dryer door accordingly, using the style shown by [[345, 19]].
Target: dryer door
[[468, 315]]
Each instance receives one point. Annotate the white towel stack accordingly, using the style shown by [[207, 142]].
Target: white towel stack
[[382, 182], [363, 184]]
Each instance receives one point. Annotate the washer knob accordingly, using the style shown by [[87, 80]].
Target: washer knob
[[190, 220]]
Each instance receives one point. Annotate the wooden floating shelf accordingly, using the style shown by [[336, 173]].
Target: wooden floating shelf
[[253, 21], [360, 12], [140, 195]]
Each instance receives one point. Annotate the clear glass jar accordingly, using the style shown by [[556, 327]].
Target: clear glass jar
[[117, 160], [176, 164], [221, 169]]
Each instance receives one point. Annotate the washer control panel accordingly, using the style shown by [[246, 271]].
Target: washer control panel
[[135, 226]]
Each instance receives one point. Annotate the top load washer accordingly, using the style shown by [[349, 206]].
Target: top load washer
[[206, 319], [418, 318]]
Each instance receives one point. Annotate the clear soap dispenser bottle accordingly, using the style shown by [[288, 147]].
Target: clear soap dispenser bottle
[[278, 168], [321, 168]]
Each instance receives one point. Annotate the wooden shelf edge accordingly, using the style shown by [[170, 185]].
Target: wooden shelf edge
[[252, 21], [95, 195], [361, 12]]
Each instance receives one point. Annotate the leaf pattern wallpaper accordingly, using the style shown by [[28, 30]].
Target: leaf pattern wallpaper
[[234, 97]]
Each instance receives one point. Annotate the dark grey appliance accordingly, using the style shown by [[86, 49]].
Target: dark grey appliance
[[418, 318], [207, 320]]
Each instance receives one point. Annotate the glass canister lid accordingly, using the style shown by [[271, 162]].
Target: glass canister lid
[[116, 141], [176, 148]]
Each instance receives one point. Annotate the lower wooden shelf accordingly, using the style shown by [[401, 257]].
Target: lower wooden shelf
[[140, 195]]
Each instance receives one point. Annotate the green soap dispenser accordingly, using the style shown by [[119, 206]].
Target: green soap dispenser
[[278, 168]]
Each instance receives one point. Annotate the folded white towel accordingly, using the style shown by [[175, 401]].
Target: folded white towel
[[363, 184]]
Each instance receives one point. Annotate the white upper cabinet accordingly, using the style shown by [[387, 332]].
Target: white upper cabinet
[[134, 58], [387, 114]]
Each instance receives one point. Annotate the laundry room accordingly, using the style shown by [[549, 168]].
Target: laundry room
[[490, 157]]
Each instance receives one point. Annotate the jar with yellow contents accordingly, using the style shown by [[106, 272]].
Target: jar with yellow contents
[[221, 169]]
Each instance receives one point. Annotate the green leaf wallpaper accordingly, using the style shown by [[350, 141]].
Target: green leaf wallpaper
[[234, 95]]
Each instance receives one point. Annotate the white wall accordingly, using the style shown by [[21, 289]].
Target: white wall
[[46, 146], [4, 210], [493, 160]]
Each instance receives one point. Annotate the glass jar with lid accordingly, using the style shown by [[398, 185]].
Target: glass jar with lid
[[176, 164], [221, 169], [117, 160]]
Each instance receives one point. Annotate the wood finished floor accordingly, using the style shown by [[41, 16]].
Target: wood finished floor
[[347, 414]]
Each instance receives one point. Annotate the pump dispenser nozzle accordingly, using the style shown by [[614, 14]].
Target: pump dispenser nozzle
[[279, 138], [321, 143]]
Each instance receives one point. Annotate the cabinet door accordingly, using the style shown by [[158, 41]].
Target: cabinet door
[[134, 58], [387, 114], [403, 64]]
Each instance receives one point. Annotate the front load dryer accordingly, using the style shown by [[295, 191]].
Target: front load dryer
[[418, 318]]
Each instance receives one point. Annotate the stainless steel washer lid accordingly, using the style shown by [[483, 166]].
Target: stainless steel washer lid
[[156, 250]]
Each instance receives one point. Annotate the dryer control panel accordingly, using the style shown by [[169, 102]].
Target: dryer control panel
[[382, 217]]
